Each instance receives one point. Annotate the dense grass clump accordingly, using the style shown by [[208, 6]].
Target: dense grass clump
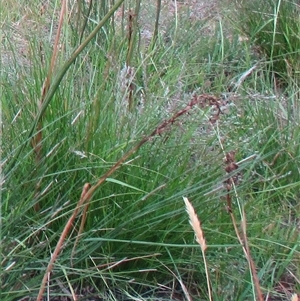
[[273, 26], [113, 125]]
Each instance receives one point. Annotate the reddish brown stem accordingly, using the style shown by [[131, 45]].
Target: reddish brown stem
[[36, 141]]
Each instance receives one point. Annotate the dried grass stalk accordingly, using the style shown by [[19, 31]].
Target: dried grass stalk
[[196, 225]]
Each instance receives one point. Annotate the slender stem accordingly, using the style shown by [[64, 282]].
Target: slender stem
[[155, 33]]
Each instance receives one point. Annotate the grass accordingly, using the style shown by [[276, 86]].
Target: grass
[[273, 26], [105, 135]]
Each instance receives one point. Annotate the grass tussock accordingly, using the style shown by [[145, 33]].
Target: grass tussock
[[114, 112], [273, 26]]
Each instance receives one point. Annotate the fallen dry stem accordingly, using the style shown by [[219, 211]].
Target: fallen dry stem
[[111, 265], [88, 190]]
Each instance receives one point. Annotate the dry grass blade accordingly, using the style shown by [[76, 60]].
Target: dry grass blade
[[230, 183], [249, 258], [182, 285], [196, 225]]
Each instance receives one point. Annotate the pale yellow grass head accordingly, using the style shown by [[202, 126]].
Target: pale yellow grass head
[[195, 223]]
